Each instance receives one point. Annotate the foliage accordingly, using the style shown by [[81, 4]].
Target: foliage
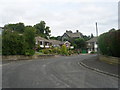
[[109, 43], [64, 50], [42, 29], [29, 52], [56, 38], [19, 27], [91, 36], [46, 51], [86, 38], [79, 43], [13, 44], [30, 37]]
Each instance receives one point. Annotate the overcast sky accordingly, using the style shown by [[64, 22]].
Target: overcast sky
[[62, 15]]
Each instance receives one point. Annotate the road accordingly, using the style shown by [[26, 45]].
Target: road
[[58, 72]]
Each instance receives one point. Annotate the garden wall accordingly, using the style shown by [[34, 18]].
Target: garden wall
[[22, 57]]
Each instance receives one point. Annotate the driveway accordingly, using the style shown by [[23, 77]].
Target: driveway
[[58, 72]]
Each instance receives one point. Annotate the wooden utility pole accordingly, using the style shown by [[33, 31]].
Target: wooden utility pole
[[97, 39], [96, 30]]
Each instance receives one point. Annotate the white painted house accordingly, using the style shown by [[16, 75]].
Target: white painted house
[[92, 45]]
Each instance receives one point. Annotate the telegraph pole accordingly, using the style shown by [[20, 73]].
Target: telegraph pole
[[96, 30], [97, 39]]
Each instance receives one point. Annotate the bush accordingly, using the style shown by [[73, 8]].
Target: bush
[[64, 50], [13, 44], [92, 52], [29, 52], [45, 51], [109, 43]]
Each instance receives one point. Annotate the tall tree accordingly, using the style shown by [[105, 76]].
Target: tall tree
[[42, 29], [30, 36], [91, 35]]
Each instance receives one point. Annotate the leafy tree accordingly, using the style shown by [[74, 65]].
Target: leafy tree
[[53, 38], [30, 36], [109, 43], [80, 43], [86, 38], [42, 29], [91, 35], [112, 30], [19, 27]]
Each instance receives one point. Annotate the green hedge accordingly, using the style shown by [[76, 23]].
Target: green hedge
[[109, 43]]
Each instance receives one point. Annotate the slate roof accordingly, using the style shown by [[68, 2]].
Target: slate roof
[[41, 39], [92, 40], [55, 42], [73, 35]]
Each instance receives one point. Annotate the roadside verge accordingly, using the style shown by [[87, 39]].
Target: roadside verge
[[101, 67]]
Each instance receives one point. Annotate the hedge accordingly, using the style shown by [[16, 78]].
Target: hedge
[[109, 43]]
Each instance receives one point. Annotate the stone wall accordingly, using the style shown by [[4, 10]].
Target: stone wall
[[109, 59], [22, 57]]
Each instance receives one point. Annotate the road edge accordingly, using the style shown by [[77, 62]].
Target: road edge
[[97, 70]]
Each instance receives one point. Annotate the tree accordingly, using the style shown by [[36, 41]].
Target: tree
[[86, 38], [47, 32], [19, 27], [42, 29], [91, 35], [13, 43], [112, 30], [80, 43], [29, 35]]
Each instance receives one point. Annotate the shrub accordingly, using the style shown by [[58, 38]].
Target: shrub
[[29, 52], [45, 51], [64, 50], [109, 43]]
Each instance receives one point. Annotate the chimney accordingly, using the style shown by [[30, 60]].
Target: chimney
[[77, 31]]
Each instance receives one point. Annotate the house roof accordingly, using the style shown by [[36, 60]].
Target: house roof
[[55, 42], [41, 39], [64, 42], [92, 40], [73, 35]]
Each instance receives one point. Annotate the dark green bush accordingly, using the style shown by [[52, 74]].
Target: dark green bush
[[109, 43], [29, 52]]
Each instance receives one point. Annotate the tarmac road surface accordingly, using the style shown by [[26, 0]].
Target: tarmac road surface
[[58, 72]]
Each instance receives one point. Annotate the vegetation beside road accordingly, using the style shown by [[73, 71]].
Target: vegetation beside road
[[18, 39], [109, 43]]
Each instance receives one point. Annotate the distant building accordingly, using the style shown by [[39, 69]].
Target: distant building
[[44, 43], [55, 43], [92, 45], [66, 43], [69, 35]]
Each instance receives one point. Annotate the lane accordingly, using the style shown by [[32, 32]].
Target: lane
[[60, 72]]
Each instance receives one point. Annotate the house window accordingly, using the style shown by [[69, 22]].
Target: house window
[[41, 43]]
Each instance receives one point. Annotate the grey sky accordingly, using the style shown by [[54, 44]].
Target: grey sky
[[62, 15]]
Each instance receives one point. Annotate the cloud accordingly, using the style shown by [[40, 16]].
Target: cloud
[[62, 15]]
